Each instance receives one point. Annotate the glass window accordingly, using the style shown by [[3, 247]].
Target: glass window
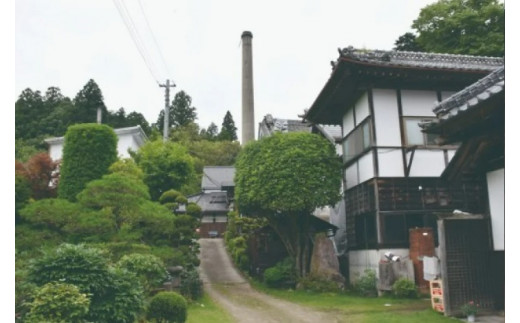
[[357, 141], [414, 134], [396, 227]]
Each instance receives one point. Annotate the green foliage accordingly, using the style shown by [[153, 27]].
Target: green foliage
[[127, 167], [282, 275], [228, 130], [167, 307], [22, 193], [289, 172], [317, 284], [468, 27], [117, 296], [88, 100], [169, 196], [194, 210], [404, 288], [26, 148], [366, 285], [407, 42], [191, 284], [58, 302], [180, 114], [166, 166], [88, 152], [181, 199], [148, 268], [120, 193], [470, 308], [69, 220]]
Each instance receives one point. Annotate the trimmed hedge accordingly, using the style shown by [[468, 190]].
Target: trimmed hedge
[[89, 150]]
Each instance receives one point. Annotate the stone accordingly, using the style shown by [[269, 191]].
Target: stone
[[324, 262]]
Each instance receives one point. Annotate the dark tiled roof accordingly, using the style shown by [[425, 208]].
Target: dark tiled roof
[[208, 202], [473, 95], [420, 60], [216, 177]]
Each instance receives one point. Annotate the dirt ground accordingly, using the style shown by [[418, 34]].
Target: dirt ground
[[227, 287]]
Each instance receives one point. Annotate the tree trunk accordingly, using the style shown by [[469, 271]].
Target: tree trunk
[[293, 230]]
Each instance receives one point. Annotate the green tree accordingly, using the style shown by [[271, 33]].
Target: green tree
[[211, 133], [285, 177], [28, 111], [88, 152], [228, 130], [181, 112], [87, 102], [407, 42], [166, 166], [470, 27]]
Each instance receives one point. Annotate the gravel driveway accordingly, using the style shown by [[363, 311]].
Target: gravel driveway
[[228, 288]]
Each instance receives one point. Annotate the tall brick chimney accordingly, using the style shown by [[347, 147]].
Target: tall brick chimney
[[248, 109]]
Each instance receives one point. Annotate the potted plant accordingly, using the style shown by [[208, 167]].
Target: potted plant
[[470, 309]]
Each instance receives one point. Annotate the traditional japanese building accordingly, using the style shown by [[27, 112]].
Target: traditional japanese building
[[472, 246], [392, 169]]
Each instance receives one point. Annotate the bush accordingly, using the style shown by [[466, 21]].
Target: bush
[[58, 302], [148, 268], [191, 284], [22, 193], [181, 199], [194, 210], [404, 288], [167, 307], [169, 196], [317, 284], [88, 151], [282, 275], [366, 285], [117, 295]]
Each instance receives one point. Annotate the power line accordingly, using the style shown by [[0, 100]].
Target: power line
[[154, 39], [134, 34]]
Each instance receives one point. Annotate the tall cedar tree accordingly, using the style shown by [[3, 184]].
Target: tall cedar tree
[[87, 102], [181, 112], [228, 130], [89, 150], [284, 178], [468, 27]]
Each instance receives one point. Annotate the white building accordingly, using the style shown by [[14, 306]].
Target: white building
[[392, 169], [130, 138]]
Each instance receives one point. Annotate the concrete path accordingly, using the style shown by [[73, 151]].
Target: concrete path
[[227, 287]]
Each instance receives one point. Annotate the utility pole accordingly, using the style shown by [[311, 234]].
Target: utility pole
[[167, 87]]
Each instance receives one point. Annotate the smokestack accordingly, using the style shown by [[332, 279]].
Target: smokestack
[[248, 109]]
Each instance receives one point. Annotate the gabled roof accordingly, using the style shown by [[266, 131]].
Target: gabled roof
[[469, 108], [357, 70], [419, 59], [217, 177], [473, 95]]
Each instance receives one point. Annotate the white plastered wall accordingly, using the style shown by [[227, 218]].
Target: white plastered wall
[[418, 103], [426, 163], [362, 109], [390, 162], [386, 116], [361, 260], [495, 182]]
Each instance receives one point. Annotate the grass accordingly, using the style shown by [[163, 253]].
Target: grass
[[205, 310], [349, 307]]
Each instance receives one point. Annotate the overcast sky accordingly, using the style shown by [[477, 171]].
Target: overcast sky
[[197, 45]]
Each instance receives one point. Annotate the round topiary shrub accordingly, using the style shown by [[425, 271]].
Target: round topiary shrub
[[181, 199], [194, 210], [88, 151], [58, 302], [167, 307], [148, 268], [404, 288], [169, 196]]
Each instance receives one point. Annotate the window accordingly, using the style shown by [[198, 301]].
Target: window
[[396, 227], [366, 231], [357, 141], [413, 134]]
